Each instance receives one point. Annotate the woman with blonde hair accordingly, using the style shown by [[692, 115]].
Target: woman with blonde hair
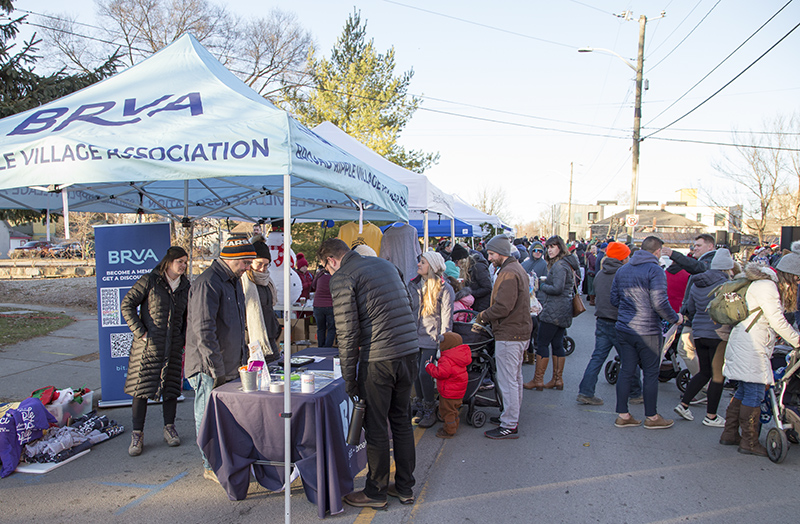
[[747, 356], [432, 303]]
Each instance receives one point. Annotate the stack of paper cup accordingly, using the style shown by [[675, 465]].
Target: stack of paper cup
[[307, 383], [337, 367]]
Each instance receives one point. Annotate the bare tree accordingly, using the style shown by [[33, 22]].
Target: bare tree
[[492, 201], [767, 173], [269, 54]]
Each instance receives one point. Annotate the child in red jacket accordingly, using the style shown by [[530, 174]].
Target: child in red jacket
[[450, 372]]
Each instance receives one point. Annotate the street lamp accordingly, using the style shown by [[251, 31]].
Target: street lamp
[[637, 112]]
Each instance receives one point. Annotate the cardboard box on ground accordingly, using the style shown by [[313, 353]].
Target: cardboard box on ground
[[301, 333]]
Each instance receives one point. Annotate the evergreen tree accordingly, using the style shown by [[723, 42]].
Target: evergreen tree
[[22, 89], [357, 91]]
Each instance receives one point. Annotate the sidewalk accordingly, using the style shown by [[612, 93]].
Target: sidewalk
[[64, 358]]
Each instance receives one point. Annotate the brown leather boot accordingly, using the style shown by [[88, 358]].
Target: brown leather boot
[[537, 382], [527, 358], [750, 424], [730, 435], [591, 300], [558, 370]]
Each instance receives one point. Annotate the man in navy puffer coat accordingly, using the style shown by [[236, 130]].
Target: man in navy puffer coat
[[639, 291]]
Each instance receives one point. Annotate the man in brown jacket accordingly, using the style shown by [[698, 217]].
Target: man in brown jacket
[[510, 317]]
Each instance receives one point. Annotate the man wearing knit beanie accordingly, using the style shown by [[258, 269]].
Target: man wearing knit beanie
[[510, 316], [215, 332], [618, 250]]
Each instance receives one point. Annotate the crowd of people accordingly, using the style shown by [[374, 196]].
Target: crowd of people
[[399, 353]]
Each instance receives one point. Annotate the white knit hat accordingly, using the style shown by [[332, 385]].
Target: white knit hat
[[436, 261]]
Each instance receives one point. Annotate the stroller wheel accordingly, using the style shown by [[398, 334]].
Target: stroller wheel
[[777, 445], [612, 371], [478, 419], [569, 346], [682, 380]]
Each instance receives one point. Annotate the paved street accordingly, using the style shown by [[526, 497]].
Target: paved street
[[570, 463]]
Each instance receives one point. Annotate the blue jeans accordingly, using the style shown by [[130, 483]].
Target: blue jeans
[[605, 337], [644, 350], [326, 329], [202, 385], [750, 393]]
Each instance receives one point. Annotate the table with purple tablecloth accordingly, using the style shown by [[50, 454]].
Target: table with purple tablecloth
[[240, 428]]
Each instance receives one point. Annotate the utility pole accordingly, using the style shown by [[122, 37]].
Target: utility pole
[[637, 123], [569, 205]]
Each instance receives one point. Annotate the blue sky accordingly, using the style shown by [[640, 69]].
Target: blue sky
[[511, 77]]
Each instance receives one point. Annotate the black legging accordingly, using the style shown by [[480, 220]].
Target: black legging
[[550, 335], [706, 347], [139, 407]]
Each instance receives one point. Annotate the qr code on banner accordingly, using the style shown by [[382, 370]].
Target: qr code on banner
[[109, 307], [121, 345]]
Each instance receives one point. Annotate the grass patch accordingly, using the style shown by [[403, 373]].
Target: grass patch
[[24, 326]]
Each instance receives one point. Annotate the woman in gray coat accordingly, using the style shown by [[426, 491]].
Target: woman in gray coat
[[155, 310], [432, 303], [555, 295]]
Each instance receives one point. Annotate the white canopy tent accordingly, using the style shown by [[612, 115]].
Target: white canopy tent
[[179, 135], [476, 217], [423, 196]]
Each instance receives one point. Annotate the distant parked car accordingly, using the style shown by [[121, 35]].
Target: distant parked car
[[34, 248], [66, 250]]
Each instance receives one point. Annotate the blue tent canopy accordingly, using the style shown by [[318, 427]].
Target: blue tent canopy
[[440, 228]]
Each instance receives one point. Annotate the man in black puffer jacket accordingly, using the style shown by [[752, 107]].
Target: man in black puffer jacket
[[378, 347]]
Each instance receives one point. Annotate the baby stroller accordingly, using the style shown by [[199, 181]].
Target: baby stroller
[[480, 340], [782, 402], [569, 343], [670, 365]]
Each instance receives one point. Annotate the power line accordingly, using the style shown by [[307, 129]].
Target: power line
[[687, 35], [744, 146], [494, 28], [723, 61], [678, 27], [497, 121], [728, 83], [593, 7]]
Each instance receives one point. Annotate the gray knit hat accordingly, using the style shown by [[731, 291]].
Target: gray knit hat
[[722, 260], [790, 262], [435, 260], [500, 244]]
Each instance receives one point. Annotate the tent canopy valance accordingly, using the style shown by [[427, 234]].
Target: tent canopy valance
[[179, 135]]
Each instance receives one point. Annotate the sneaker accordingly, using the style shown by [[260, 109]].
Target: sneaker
[[209, 474], [701, 398], [636, 400], [591, 401], [495, 420], [404, 499], [627, 422], [501, 433], [684, 412], [717, 422], [171, 436], [137, 443], [658, 423]]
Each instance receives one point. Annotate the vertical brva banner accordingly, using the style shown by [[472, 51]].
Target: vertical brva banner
[[123, 253]]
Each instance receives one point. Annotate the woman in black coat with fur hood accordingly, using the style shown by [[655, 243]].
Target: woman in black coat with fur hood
[[159, 334]]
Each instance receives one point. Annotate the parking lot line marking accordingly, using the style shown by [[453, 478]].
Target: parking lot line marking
[[154, 488]]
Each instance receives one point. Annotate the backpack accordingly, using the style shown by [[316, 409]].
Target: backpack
[[729, 307]]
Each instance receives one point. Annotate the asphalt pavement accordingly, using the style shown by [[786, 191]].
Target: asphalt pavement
[[569, 465]]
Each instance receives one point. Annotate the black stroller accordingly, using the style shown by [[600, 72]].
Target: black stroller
[[481, 343], [670, 365], [782, 403]]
